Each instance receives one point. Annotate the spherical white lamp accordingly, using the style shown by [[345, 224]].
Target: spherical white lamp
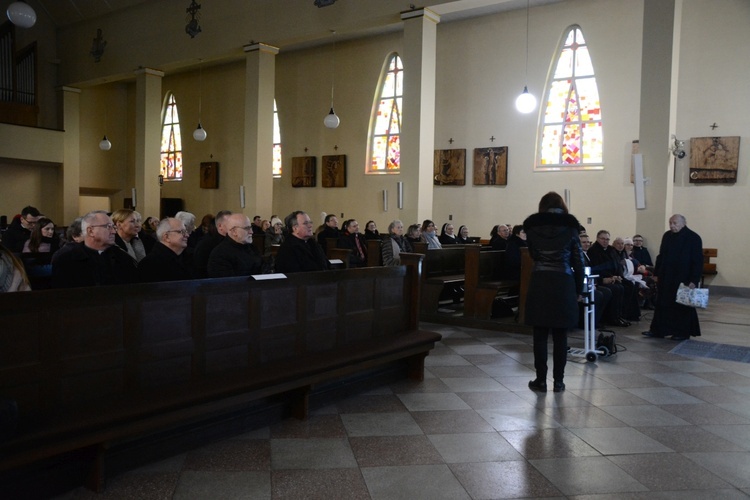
[[105, 145], [199, 134], [526, 102], [331, 120], [21, 14]]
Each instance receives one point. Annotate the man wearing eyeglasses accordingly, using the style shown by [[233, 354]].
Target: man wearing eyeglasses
[[96, 260], [20, 229], [168, 260], [236, 255], [300, 252]]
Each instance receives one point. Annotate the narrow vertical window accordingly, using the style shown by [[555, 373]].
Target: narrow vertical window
[[276, 142], [385, 122], [171, 142], [571, 131]]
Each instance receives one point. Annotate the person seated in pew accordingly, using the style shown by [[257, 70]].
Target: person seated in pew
[[447, 235], [330, 229], [73, 235], [414, 234], [236, 255], [43, 238], [167, 260], [300, 252], [462, 238], [12, 273], [602, 295], [20, 228], [128, 225], [640, 253], [394, 243], [207, 222], [209, 242], [512, 257], [605, 262], [429, 235], [96, 260], [371, 231], [352, 239], [499, 240]]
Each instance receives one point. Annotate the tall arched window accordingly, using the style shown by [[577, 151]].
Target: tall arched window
[[571, 131], [385, 123], [171, 141], [276, 142]]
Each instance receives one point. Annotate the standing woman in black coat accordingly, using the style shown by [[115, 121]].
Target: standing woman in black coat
[[555, 287]]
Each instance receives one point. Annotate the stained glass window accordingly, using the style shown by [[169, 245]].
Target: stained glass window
[[276, 142], [171, 142], [385, 124], [571, 135]]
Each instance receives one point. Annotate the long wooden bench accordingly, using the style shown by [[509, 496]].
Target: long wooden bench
[[93, 369], [483, 281], [443, 267], [709, 268]]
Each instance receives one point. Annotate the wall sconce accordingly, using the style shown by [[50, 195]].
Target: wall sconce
[[132, 195], [97, 46], [385, 200], [192, 28], [678, 148], [242, 196], [400, 194], [161, 180]]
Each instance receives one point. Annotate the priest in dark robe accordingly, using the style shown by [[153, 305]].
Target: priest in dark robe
[[680, 260]]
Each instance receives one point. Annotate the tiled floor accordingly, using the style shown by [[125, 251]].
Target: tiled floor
[[641, 424]]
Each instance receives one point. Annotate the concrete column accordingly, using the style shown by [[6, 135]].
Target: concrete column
[[148, 103], [70, 173], [418, 123], [659, 78], [257, 168]]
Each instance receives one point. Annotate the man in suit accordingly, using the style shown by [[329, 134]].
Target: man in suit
[[167, 260]]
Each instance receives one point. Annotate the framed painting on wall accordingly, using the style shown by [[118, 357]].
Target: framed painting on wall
[[303, 171], [334, 171], [491, 166], [714, 159], [209, 175], [449, 167]]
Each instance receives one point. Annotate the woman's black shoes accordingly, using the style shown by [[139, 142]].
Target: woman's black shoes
[[538, 385], [558, 387]]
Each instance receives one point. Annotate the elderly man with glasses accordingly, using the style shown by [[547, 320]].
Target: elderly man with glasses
[[300, 252], [96, 260], [236, 255], [168, 260], [20, 229]]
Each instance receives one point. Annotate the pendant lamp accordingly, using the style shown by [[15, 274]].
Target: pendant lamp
[[526, 102], [331, 120], [199, 134]]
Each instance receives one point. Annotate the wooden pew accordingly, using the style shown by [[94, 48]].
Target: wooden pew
[[374, 253], [483, 282], [709, 268], [105, 367], [441, 267]]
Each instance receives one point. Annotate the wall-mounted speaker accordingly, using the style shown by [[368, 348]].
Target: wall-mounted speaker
[[639, 182]]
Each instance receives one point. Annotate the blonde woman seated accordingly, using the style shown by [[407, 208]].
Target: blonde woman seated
[[394, 243]]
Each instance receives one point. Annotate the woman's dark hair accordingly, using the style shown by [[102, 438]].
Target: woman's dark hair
[[517, 229], [494, 230], [552, 201], [36, 235], [426, 223]]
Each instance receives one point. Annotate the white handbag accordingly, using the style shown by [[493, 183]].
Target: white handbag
[[692, 297]]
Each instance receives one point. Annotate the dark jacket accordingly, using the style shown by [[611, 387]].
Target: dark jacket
[[15, 236], [327, 232], [512, 258], [82, 266], [642, 255], [230, 258], [349, 241], [604, 261], [557, 278], [297, 255], [203, 252], [162, 264]]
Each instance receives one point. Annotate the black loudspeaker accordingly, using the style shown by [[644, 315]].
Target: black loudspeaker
[[170, 206]]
